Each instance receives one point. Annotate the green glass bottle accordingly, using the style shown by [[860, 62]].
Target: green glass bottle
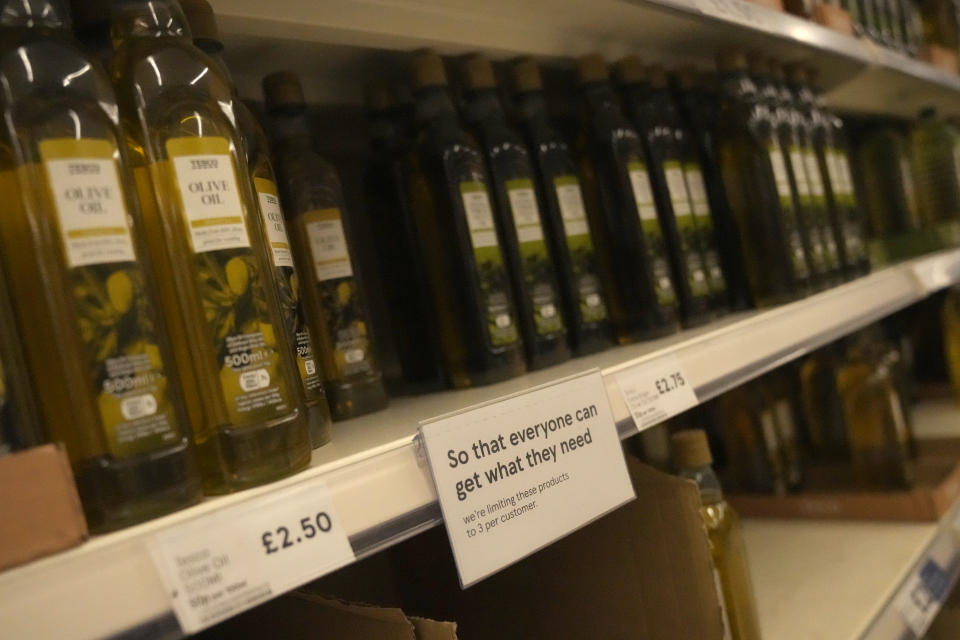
[[205, 241], [630, 245], [755, 181], [564, 215], [320, 230], [517, 207], [450, 198], [647, 102], [402, 269], [696, 98], [82, 293], [936, 164], [754, 452], [821, 406], [206, 37], [883, 159]]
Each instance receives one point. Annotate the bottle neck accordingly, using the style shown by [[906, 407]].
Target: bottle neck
[[710, 490], [35, 14], [599, 96], [289, 129], [737, 84], [433, 104], [483, 106], [148, 19]]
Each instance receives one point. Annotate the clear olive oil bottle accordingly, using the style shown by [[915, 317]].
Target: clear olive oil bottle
[[403, 270], [691, 457], [564, 215], [319, 227], [450, 194], [757, 187], [82, 294], [206, 242], [647, 101], [633, 258], [518, 208]]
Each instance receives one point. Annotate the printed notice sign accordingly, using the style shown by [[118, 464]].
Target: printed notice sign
[[518, 473], [919, 599], [217, 566], [656, 390]]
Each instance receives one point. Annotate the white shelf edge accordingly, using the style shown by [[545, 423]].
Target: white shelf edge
[[108, 586]]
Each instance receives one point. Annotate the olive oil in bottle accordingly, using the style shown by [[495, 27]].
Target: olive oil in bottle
[[630, 245], [950, 316], [205, 240], [822, 407], [647, 101], [450, 195], [754, 450], [517, 207], [876, 425], [884, 162], [82, 295], [564, 215], [757, 186], [20, 425], [319, 228], [936, 166], [206, 37], [691, 457], [402, 268]]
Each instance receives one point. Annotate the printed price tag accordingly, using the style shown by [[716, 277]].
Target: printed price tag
[[737, 11], [232, 560], [518, 473], [919, 600], [656, 390]]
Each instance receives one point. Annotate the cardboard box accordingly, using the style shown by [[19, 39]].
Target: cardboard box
[[642, 571], [40, 510], [833, 18], [303, 616], [829, 494]]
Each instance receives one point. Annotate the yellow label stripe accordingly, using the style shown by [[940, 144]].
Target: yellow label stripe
[[214, 222]]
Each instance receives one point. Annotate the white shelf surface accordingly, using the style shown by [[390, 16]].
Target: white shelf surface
[[842, 580], [381, 491], [323, 39]]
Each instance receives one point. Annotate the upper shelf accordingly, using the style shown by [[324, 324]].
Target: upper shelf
[[382, 492], [322, 39]]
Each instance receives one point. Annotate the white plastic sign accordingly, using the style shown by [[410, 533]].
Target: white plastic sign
[[656, 390]]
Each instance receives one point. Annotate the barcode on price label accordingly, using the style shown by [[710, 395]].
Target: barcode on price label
[[655, 391], [231, 560], [919, 600]]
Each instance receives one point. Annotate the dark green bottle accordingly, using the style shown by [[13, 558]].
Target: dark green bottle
[[564, 216], [647, 102], [829, 138], [883, 159], [640, 293], [806, 120], [320, 230], [756, 182], [451, 202], [936, 163], [517, 207], [402, 270], [696, 97]]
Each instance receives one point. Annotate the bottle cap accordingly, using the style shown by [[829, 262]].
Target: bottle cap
[[630, 70], [428, 70], [758, 63], [796, 73], [689, 448], [378, 97], [686, 78], [478, 73], [592, 68], [776, 70], [203, 24], [657, 75], [813, 78], [526, 75], [731, 61], [282, 89]]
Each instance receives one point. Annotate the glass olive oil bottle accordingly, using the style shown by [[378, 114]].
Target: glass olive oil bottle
[[876, 426], [20, 425], [754, 452], [883, 159], [696, 99], [648, 104], [517, 207], [936, 165], [691, 457], [755, 181], [82, 295], [564, 215], [450, 196], [403, 271], [206, 37], [630, 245], [320, 229], [822, 407], [206, 242], [950, 316]]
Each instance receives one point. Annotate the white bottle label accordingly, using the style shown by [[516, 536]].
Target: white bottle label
[[642, 193], [698, 191], [476, 204], [813, 174], [526, 215], [275, 226], [90, 208], [677, 187], [799, 173], [779, 171], [211, 203], [328, 244], [572, 210]]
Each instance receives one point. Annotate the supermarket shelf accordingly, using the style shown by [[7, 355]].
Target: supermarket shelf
[[339, 46], [382, 492], [843, 580]]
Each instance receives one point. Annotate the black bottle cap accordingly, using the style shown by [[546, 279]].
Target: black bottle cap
[[203, 24]]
